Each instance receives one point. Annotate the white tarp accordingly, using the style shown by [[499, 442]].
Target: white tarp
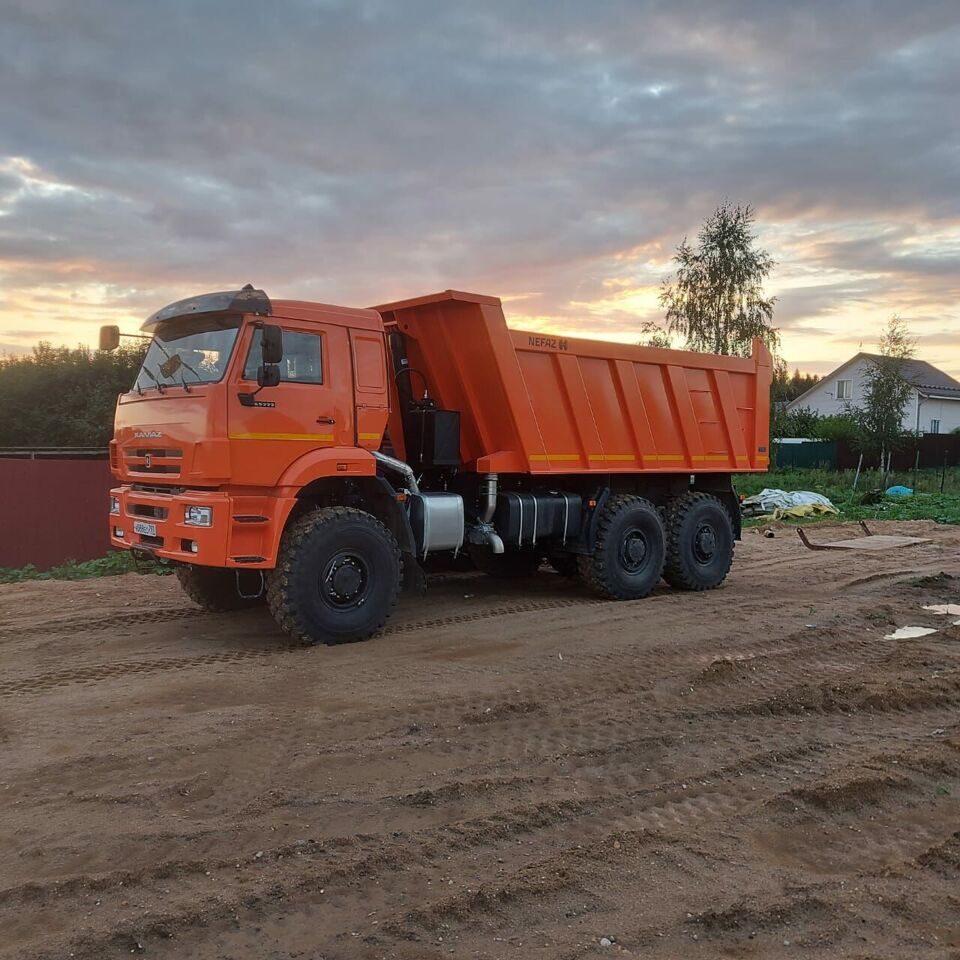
[[769, 500]]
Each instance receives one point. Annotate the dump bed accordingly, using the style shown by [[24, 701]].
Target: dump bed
[[536, 403]]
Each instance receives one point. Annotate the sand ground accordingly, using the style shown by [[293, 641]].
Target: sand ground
[[510, 770]]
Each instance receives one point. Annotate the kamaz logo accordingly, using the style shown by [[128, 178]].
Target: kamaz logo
[[148, 461], [147, 435]]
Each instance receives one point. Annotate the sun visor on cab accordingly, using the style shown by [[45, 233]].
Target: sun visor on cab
[[247, 300]]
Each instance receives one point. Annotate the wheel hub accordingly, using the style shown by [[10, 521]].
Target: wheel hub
[[344, 580], [633, 551], [705, 543]]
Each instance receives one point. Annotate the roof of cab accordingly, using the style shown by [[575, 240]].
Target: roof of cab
[[253, 301], [327, 313]]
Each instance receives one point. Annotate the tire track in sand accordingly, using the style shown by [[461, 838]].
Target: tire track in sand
[[118, 668]]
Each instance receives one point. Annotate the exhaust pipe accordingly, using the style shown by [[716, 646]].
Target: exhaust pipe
[[488, 497], [493, 538]]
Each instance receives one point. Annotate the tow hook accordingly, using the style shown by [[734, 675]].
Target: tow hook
[[251, 596]]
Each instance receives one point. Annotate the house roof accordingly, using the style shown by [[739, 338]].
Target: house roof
[[927, 378], [920, 373]]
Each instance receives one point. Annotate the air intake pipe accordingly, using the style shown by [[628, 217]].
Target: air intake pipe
[[398, 466]]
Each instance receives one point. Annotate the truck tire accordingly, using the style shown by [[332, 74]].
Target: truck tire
[[215, 588], [699, 542], [506, 566], [337, 577], [628, 555]]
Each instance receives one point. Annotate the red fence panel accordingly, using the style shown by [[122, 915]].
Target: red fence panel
[[52, 511]]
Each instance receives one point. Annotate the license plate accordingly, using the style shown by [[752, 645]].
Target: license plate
[[144, 529]]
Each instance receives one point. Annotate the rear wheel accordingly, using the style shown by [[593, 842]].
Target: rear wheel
[[699, 542], [337, 577], [628, 555], [217, 589]]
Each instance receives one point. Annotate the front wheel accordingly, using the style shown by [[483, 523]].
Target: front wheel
[[337, 577], [218, 589], [628, 553], [699, 542]]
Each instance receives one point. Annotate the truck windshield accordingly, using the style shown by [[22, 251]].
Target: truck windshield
[[188, 350]]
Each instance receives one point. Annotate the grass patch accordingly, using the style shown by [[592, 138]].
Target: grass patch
[[112, 565], [927, 503]]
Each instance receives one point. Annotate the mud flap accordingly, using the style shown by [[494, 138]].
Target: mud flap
[[414, 579]]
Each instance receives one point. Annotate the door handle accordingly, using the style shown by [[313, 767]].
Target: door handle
[[326, 420]]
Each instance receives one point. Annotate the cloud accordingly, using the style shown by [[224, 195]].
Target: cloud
[[362, 151]]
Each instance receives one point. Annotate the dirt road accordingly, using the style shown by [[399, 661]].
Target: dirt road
[[512, 770]]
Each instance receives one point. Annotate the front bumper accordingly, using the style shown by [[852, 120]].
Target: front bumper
[[244, 531]]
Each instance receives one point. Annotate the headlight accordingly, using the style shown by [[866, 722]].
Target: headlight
[[198, 516], [114, 504]]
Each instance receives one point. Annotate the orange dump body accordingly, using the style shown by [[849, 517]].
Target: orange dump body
[[535, 403]]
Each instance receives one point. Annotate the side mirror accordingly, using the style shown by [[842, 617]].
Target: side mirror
[[109, 338], [268, 375], [170, 366], [271, 344]]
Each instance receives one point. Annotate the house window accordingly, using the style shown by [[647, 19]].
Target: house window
[[934, 426], [844, 389]]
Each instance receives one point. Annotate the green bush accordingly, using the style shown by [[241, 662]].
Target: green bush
[[837, 427], [63, 397], [810, 425], [113, 564]]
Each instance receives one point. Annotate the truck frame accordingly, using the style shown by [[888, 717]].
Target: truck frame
[[317, 457]]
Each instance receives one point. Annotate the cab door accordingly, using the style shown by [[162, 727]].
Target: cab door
[[370, 383], [311, 407]]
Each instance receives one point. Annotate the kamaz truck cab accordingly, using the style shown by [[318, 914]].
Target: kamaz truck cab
[[243, 413]]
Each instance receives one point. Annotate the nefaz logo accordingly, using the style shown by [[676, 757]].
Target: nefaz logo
[[551, 342], [147, 435]]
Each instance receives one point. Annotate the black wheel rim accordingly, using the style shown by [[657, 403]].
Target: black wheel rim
[[633, 550], [705, 544], [345, 580]]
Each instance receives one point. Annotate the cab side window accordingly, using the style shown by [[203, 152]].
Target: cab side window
[[302, 358]]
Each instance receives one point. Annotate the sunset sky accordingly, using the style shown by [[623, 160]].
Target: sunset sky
[[550, 153]]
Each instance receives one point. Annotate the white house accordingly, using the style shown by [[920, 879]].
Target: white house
[[934, 406]]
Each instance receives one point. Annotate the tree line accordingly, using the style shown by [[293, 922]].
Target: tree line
[[63, 396]]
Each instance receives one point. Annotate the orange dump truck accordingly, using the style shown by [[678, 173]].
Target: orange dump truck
[[313, 457]]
